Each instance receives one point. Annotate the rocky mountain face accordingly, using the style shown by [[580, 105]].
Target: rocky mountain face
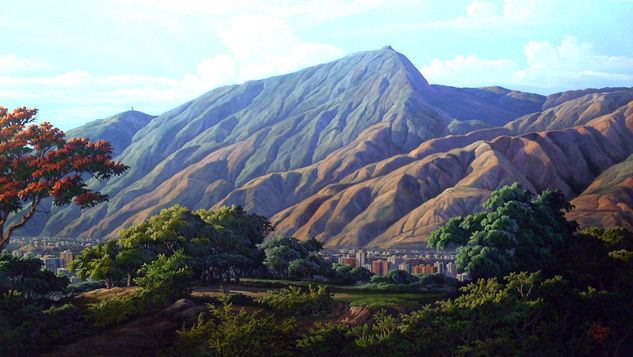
[[361, 151]]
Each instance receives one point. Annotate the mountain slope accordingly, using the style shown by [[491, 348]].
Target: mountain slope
[[358, 151], [402, 204], [118, 129]]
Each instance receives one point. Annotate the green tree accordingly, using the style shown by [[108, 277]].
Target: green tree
[[221, 244], [517, 232], [26, 277], [347, 274], [129, 261], [168, 275], [99, 263], [282, 252]]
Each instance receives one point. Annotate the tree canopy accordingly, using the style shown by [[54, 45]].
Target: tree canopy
[[37, 162], [516, 232], [287, 256]]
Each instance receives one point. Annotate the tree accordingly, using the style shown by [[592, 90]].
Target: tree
[[598, 257], [284, 252], [221, 243], [517, 233], [26, 277], [99, 263], [347, 274], [129, 261], [37, 162], [169, 276]]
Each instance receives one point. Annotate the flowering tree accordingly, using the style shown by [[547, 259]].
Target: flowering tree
[[37, 162]]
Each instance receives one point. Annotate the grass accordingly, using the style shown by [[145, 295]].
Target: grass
[[357, 295]]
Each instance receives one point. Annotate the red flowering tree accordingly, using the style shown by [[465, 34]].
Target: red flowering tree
[[37, 162]]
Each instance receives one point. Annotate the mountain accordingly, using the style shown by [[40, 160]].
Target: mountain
[[118, 129], [399, 201], [357, 151]]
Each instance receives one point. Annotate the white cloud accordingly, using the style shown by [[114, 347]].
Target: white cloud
[[258, 46], [571, 64], [485, 14], [469, 71], [264, 45], [10, 64]]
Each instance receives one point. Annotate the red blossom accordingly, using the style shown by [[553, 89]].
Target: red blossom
[[37, 162]]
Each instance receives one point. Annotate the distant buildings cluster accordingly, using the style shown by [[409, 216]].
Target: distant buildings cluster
[[55, 253], [380, 262]]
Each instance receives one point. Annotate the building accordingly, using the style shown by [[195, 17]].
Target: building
[[405, 266], [424, 269], [52, 263], [440, 267], [451, 270], [361, 258], [347, 260], [67, 257], [63, 271], [379, 267], [463, 277]]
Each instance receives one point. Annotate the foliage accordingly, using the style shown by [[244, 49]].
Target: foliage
[[99, 263], [162, 281], [225, 332], [395, 277], [599, 257], [298, 301], [285, 252], [517, 233], [346, 274], [525, 314], [37, 162], [30, 330], [221, 243], [25, 276], [29, 320], [169, 276]]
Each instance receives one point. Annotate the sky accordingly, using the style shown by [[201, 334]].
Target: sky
[[77, 61]]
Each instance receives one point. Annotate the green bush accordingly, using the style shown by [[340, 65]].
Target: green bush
[[394, 277], [298, 301], [225, 332], [162, 281]]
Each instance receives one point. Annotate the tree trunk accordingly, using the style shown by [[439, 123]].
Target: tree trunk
[[129, 279]]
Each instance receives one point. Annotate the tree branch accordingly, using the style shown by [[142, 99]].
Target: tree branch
[[5, 237]]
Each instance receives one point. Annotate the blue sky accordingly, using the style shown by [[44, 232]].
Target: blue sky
[[82, 60]]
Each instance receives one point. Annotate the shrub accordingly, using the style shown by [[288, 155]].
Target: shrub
[[225, 332], [298, 301]]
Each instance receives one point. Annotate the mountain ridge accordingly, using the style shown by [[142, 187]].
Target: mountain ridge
[[285, 146]]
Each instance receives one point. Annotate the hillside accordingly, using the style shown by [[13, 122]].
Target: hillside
[[358, 151], [399, 201]]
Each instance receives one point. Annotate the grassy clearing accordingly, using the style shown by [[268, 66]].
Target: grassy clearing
[[356, 295]]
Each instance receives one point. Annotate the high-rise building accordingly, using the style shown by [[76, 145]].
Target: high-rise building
[[361, 258], [52, 263], [379, 267], [67, 257]]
